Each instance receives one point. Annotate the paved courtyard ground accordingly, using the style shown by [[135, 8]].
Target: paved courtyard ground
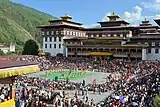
[[100, 78]]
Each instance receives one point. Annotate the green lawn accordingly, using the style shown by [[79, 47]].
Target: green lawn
[[73, 76]]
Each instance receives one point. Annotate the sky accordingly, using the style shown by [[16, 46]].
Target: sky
[[89, 12]]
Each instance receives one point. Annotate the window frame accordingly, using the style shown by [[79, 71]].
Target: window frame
[[55, 39], [46, 45], [60, 39], [52, 32], [43, 33], [50, 39], [59, 46], [149, 51], [47, 32], [46, 39], [55, 46], [156, 50]]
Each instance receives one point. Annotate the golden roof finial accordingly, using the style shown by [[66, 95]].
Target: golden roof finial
[[145, 19], [113, 13], [66, 17], [66, 14]]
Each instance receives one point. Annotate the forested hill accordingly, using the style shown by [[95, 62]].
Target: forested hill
[[18, 22]]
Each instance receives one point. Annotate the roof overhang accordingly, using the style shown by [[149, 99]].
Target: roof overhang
[[135, 45], [60, 26], [65, 21], [117, 21], [157, 21]]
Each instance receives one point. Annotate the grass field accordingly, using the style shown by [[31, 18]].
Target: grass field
[[63, 75]]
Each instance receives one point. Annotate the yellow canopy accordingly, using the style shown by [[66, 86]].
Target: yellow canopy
[[100, 53], [9, 103], [14, 71]]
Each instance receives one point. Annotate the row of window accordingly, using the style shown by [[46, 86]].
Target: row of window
[[152, 44], [50, 46], [72, 42], [74, 33], [109, 35], [51, 32], [50, 39], [64, 33], [156, 51]]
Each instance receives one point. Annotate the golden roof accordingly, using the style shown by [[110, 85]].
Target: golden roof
[[66, 16], [113, 15]]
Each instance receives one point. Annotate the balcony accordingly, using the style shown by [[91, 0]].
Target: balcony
[[125, 54]]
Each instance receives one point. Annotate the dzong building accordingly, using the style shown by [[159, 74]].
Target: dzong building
[[114, 38]]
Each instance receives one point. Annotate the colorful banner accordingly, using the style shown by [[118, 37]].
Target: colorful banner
[[9, 103]]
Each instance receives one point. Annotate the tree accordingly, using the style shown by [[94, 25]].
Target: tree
[[30, 48], [1, 53], [156, 101]]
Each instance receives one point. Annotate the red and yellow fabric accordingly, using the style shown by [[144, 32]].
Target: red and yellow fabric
[[14, 71], [9, 103]]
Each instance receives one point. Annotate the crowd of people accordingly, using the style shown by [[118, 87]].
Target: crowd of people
[[4, 92], [50, 91], [135, 82], [140, 91]]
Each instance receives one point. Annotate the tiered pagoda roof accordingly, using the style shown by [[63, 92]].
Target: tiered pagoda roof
[[114, 20], [145, 22], [64, 21]]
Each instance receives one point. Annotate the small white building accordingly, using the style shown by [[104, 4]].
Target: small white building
[[7, 48]]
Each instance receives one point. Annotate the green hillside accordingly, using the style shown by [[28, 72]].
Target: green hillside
[[18, 22]]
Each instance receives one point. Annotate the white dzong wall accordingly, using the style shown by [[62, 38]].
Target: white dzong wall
[[53, 50]]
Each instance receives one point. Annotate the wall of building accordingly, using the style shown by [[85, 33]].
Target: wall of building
[[53, 50], [144, 54], [153, 55], [5, 49], [10, 48]]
